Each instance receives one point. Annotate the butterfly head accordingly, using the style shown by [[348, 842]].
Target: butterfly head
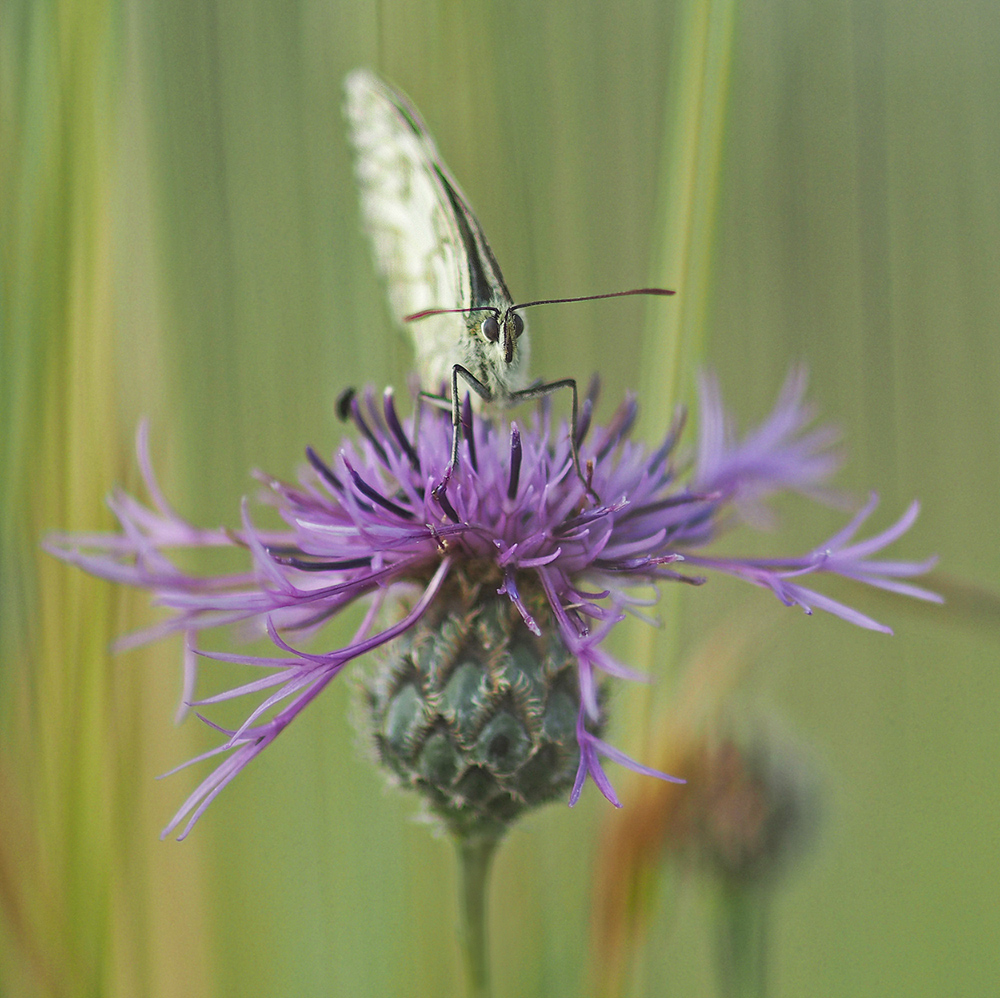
[[502, 330]]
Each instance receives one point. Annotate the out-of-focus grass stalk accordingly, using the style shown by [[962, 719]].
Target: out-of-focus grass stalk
[[688, 193], [59, 457], [74, 889]]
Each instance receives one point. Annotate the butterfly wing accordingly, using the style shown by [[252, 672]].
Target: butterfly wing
[[428, 245]]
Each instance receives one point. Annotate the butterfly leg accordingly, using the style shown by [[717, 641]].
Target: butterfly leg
[[440, 490], [537, 391]]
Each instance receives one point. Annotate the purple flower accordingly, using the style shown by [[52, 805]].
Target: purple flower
[[365, 525]]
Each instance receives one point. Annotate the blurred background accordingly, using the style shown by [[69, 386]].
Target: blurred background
[[180, 239]]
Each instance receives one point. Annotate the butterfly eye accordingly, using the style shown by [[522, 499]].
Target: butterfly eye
[[491, 328], [518, 325]]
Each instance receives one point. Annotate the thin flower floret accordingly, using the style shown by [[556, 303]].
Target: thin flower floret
[[838, 558], [777, 455]]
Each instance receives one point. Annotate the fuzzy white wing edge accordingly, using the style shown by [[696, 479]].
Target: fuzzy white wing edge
[[417, 246]]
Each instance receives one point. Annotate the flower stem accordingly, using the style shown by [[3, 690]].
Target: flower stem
[[475, 855], [741, 941]]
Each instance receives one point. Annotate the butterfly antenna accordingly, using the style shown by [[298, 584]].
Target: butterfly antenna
[[612, 294], [450, 311], [542, 301]]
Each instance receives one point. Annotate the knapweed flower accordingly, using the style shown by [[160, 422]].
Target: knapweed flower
[[518, 554]]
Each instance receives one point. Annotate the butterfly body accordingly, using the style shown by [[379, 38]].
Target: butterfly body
[[431, 250]]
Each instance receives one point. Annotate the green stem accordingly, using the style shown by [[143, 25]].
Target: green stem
[[475, 856], [741, 941]]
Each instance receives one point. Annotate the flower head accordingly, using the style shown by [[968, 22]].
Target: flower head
[[517, 522]]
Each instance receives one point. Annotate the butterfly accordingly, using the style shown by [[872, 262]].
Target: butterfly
[[443, 280]]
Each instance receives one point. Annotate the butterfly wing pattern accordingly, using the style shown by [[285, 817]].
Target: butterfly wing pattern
[[429, 246]]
